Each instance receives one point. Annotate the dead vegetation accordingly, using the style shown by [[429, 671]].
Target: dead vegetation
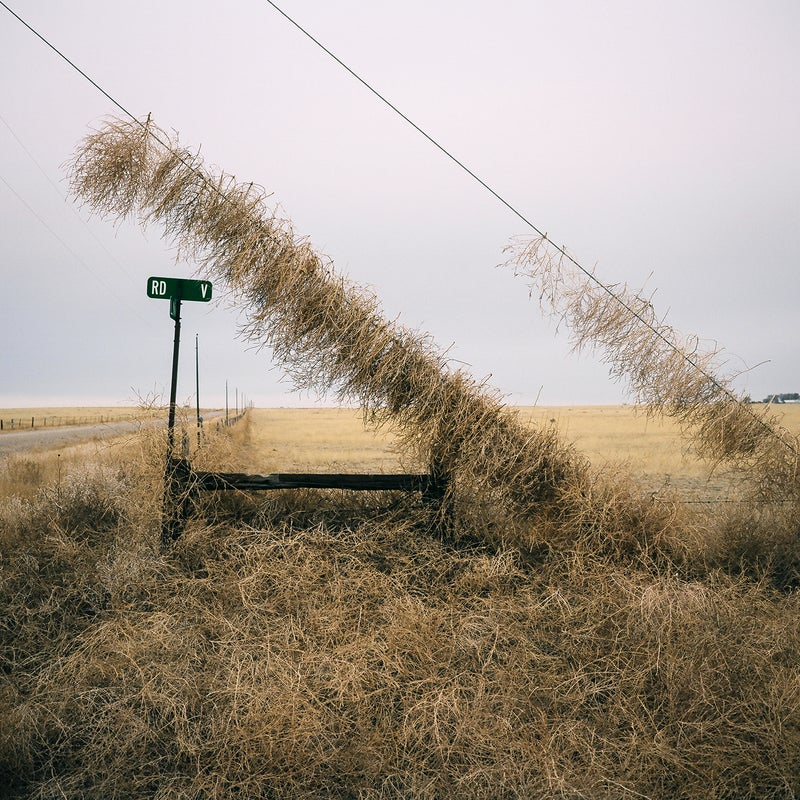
[[665, 371], [573, 638], [330, 335], [308, 646], [517, 485]]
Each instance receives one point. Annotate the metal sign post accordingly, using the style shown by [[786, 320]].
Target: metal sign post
[[197, 385], [175, 313], [175, 290]]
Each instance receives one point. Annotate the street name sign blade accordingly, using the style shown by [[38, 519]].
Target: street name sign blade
[[179, 289]]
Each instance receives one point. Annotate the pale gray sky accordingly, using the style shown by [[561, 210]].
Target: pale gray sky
[[658, 141]]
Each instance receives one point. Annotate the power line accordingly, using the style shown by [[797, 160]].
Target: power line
[[486, 186], [92, 272], [72, 64], [83, 74], [63, 197], [426, 135], [413, 124], [561, 250]]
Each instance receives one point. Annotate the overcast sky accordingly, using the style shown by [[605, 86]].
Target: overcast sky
[[658, 141]]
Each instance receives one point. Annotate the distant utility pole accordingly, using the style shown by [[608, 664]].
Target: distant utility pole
[[197, 383], [226, 402]]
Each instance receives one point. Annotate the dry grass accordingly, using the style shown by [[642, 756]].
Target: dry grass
[[347, 653], [572, 638], [310, 439], [25, 475], [653, 448], [664, 370], [59, 416], [755, 458], [330, 335]]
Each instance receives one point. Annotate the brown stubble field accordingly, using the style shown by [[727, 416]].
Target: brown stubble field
[[651, 447], [304, 645], [336, 440], [623, 437], [51, 416], [553, 631], [24, 472]]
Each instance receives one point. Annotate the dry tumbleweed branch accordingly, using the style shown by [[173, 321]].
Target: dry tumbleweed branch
[[328, 334], [666, 372]]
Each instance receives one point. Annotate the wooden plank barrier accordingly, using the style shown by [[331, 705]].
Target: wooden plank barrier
[[182, 484], [221, 481]]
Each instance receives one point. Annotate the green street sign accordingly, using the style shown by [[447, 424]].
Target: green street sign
[[179, 289]]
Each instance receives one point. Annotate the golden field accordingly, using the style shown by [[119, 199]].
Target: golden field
[[309, 644], [624, 438], [335, 440], [320, 436], [535, 627], [56, 416], [651, 447]]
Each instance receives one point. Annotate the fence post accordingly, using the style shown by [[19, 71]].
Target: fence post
[[179, 494], [438, 492]]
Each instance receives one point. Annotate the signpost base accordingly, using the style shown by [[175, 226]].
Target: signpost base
[[178, 498], [177, 471]]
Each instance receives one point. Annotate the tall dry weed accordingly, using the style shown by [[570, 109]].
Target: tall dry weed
[[321, 652], [370, 660], [672, 374], [331, 337], [665, 371], [323, 649]]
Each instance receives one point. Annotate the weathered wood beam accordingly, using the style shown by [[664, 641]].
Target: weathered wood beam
[[354, 482]]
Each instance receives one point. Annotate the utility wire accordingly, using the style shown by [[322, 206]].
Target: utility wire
[[413, 124], [473, 175], [417, 128], [63, 197], [84, 75], [560, 249], [92, 272], [72, 64]]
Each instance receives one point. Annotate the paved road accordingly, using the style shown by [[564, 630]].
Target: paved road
[[52, 438]]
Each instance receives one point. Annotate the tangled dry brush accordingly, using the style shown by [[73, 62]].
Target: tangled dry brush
[[265, 658], [666, 372], [330, 336], [586, 643]]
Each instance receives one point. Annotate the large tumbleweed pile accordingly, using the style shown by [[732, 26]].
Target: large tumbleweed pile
[[665, 371], [330, 335]]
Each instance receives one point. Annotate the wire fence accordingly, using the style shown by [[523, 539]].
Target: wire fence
[[230, 419], [26, 423]]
